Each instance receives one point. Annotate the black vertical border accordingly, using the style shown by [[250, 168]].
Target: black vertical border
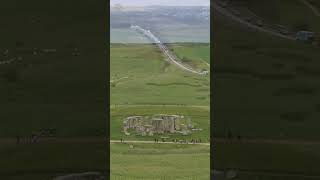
[[107, 117], [212, 81]]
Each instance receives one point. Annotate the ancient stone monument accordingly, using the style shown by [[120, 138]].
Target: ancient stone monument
[[157, 124]]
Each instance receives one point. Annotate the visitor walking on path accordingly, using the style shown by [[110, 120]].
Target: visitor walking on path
[[18, 139]]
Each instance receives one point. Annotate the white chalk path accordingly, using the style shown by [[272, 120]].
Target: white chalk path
[[115, 80], [78, 176], [7, 61], [171, 58]]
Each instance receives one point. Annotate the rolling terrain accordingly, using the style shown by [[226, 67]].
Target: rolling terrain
[[146, 84]]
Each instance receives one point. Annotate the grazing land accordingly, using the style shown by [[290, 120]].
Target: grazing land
[[159, 161], [155, 86], [152, 80]]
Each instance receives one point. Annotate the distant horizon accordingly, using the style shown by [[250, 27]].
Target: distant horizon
[[141, 3]]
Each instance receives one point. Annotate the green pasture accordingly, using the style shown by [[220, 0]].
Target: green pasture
[[196, 55], [159, 161], [143, 83], [152, 80]]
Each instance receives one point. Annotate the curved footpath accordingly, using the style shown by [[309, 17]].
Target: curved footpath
[[170, 57]]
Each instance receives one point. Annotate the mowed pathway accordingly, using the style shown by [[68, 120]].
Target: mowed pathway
[[152, 142], [114, 141]]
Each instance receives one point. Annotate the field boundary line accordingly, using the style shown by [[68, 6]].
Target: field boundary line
[[152, 142]]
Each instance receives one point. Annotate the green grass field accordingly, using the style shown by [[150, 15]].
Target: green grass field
[[159, 161], [196, 55], [152, 80], [143, 83]]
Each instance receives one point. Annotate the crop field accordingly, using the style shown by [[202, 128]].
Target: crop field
[[159, 161], [143, 83]]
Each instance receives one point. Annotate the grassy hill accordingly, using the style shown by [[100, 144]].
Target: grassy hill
[[143, 83], [148, 79]]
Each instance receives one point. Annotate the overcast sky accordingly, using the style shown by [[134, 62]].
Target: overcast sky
[[162, 2]]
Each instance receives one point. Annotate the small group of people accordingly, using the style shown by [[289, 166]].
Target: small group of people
[[185, 141], [194, 141], [33, 139], [230, 136]]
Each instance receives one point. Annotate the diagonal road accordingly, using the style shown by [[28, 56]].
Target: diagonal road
[[170, 57], [310, 6], [226, 13]]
